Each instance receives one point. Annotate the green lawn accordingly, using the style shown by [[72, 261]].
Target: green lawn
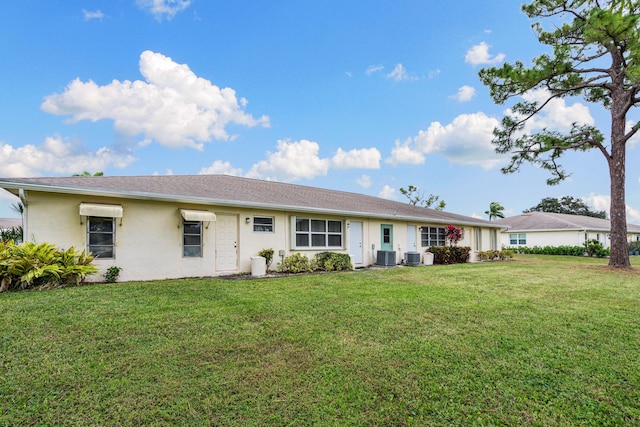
[[539, 340]]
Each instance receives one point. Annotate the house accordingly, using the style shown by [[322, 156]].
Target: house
[[554, 229], [157, 227]]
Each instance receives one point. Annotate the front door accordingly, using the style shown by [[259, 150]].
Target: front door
[[355, 242], [386, 237], [411, 239], [226, 242]]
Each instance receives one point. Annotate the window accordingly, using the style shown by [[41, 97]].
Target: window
[[192, 238], [517, 239], [318, 233], [101, 237], [432, 236], [263, 224]]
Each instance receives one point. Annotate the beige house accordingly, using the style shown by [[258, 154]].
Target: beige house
[[553, 229], [157, 227]]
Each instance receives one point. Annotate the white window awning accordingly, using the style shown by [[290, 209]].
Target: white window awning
[[106, 211], [204, 216]]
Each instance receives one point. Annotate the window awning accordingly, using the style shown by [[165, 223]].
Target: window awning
[[106, 211], [204, 216]]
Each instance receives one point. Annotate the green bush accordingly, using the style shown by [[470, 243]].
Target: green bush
[[11, 234], [296, 263], [450, 254], [549, 250], [41, 266], [331, 261], [267, 254], [494, 255], [112, 274]]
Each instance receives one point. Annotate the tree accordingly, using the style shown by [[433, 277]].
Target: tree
[[596, 54], [566, 205], [495, 211], [85, 173], [416, 197]]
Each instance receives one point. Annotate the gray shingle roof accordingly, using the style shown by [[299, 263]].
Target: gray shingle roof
[[229, 190], [541, 221]]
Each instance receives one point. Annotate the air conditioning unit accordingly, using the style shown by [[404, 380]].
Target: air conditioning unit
[[386, 258], [412, 258]]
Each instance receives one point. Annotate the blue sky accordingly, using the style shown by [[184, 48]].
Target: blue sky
[[361, 96]]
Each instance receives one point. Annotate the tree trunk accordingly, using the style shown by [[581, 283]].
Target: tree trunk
[[618, 210]]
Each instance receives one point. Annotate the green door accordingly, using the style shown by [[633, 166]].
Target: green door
[[386, 237]]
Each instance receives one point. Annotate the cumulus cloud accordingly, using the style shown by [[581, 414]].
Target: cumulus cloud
[[219, 167], [90, 15], [366, 158], [600, 202], [557, 115], [173, 106], [364, 181], [466, 140], [58, 156], [162, 9], [399, 74], [405, 152], [387, 192], [292, 160], [634, 140], [479, 54], [465, 94]]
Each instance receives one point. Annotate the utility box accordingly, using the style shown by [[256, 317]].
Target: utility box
[[258, 266], [428, 258], [412, 258]]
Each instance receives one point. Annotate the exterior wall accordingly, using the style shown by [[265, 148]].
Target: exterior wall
[[556, 238], [148, 238]]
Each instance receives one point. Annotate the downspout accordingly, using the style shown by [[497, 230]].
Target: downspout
[[23, 200]]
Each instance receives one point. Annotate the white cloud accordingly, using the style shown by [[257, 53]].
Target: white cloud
[[387, 192], [557, 115], [374, 69], [173, 106], [164, 8], [222, 168], [404, 152], [364, 181], [58, 156], [601, 202], [399, 74], [465, 94], [292, 161], [479, 54], [434, 73], [366, 158], [634, 140], [89, 15], [466, 140]]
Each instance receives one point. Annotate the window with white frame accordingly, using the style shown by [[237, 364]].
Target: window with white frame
[[263, 224], [318, 233], [101, 237], [518, 239], [432, 236], [192, 238]]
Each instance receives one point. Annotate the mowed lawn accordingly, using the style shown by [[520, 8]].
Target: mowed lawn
[[538, 340]]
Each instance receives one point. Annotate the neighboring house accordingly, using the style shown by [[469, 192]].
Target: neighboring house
[[553, 229], [157, 227]]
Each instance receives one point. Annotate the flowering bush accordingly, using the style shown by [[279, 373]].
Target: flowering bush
[[454, 234]]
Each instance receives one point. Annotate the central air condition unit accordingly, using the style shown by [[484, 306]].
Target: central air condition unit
[[386, 258], [412, 258]]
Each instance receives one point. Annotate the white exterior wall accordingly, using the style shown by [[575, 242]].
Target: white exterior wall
[[148, 238], [557, 238]]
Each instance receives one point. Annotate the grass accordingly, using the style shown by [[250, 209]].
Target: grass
[[541, 340]]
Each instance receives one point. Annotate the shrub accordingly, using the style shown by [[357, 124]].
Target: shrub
[[493, 255], [594, 248], [450, 254], [41, 266], [112, 274], [11, 234], [549, 250], [267, 254], [331, 261], [296, 263]]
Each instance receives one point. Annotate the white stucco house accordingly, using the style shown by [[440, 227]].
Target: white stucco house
[[157, 227], [553, 229]]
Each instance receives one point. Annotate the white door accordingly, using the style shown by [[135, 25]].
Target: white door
[[411, 239], [355, 242], [226, 242]]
